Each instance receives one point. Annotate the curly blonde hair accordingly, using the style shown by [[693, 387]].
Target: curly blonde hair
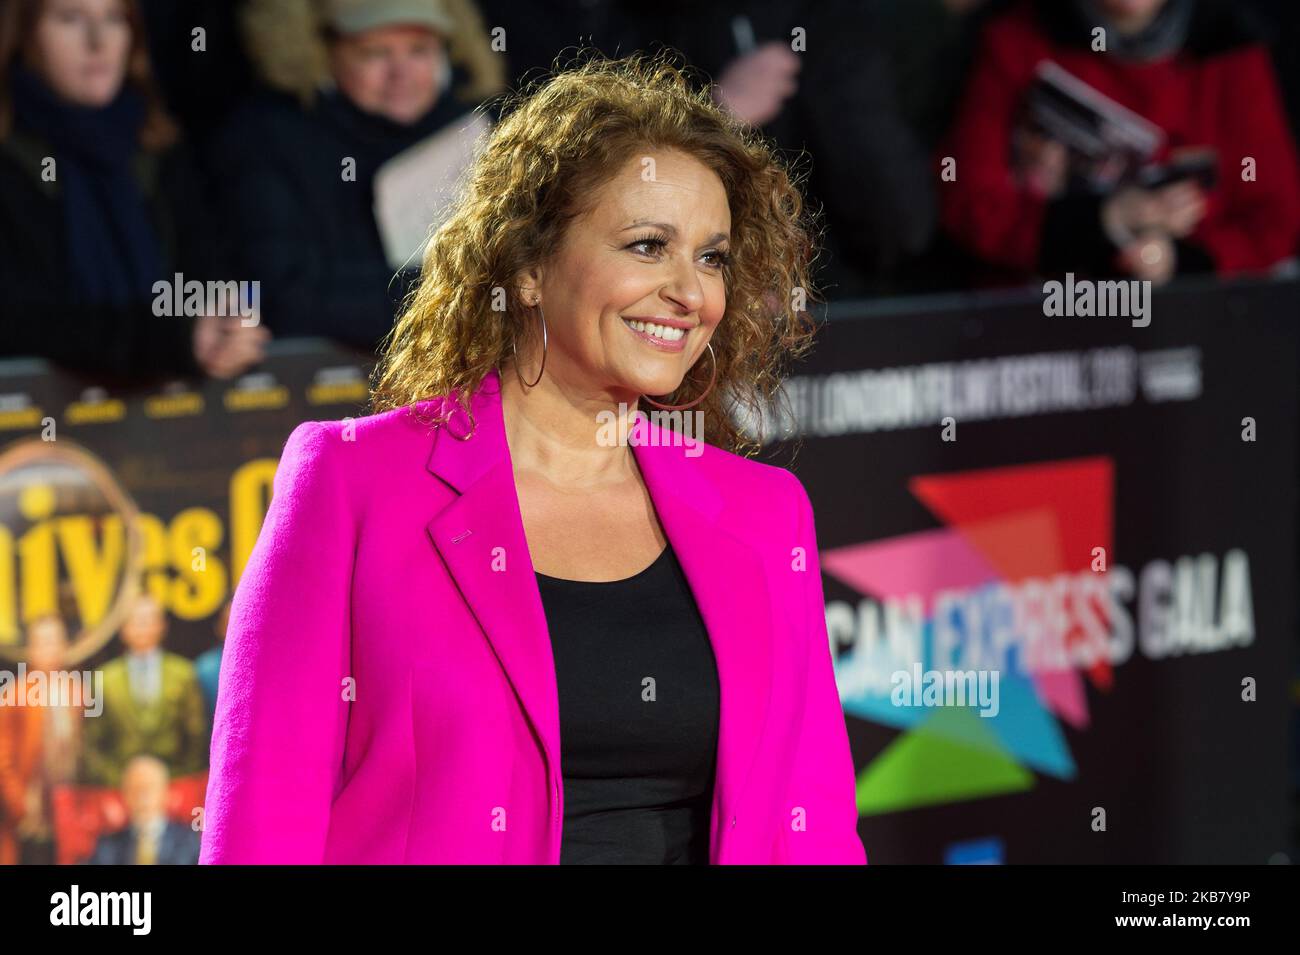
[[561, 138]]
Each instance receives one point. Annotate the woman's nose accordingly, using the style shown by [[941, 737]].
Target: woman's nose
[[684, 288]]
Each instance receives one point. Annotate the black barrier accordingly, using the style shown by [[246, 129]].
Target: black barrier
[[1086, 524]]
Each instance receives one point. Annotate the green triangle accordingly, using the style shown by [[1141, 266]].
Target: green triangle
[[925, 767], [961, 725]]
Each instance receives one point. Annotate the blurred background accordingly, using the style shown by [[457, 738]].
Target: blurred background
[[211, 212]]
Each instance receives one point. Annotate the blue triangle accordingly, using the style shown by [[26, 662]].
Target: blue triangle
[[1023, 727]]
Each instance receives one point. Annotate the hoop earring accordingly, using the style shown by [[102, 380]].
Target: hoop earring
[[691, 404], [514, 354]]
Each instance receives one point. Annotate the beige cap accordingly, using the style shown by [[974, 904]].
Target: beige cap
[[356, 16]]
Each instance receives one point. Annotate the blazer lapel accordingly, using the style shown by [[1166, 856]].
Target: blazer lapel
[[481, 539], [480, 536]]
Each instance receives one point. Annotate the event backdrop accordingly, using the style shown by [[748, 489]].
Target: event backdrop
[[976, 544]]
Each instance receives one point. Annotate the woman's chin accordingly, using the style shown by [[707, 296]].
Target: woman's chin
[[651, 385]]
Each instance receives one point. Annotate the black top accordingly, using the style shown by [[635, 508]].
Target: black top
[[639, 708]]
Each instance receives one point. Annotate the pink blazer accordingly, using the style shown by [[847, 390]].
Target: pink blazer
[[388, 689]]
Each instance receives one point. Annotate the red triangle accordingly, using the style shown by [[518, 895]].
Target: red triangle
[[1079, 492], [998, 509]]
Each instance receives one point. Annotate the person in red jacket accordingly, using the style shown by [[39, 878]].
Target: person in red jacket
[[1012, 195]]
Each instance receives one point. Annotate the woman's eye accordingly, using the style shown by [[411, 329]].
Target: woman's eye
[[656, 244], [718, 258]]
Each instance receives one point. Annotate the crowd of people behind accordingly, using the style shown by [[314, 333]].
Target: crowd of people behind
[[277, 141]]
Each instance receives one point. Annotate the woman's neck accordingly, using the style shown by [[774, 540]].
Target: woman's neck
[[558, 431]]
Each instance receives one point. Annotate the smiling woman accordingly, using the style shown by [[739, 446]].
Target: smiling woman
[[566, 649], [599, 185]]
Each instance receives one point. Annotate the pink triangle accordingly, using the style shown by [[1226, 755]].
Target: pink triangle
[[1061, 691], [919, 564]]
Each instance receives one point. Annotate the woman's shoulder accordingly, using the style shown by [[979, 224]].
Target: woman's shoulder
[[397, 424], [765, 504], [342, 462], [751, 470], [747, 483]]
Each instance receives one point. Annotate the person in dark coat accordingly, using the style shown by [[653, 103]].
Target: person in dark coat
[[351, 85], [99, 202]]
